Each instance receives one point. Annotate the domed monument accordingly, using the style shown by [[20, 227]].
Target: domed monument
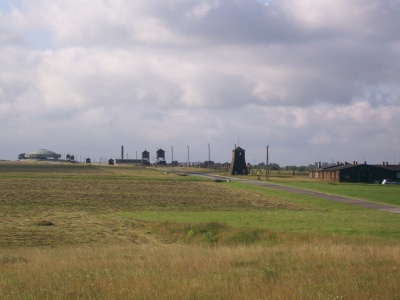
[[41, 154]]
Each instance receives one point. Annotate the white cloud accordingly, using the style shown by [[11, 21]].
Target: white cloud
[[313, 79]]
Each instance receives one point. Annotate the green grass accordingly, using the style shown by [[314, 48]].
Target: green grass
[[346, 224], [114, 232], [389, 194], [88, 204]]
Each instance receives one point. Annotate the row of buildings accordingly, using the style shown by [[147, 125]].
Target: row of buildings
[[48, 155], [340, 172], [355, 172], [238, 164]]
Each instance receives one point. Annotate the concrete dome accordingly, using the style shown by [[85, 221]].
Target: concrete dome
[[42, 154]]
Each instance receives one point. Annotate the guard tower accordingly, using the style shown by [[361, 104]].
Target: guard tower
[[161, 157], [145, 158], [238, 164]]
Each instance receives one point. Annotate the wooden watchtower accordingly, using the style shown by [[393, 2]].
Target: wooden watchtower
[[145, 158], [238, 164], [160, 157]]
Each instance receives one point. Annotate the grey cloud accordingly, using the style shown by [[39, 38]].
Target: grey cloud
[[329, 62], [305, 77]]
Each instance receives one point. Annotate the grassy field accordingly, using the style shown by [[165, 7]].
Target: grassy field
[[115, 232], [388, 194]]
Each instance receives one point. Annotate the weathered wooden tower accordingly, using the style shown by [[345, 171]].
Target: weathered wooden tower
[[160, 159], [145, 158], [238, 164]]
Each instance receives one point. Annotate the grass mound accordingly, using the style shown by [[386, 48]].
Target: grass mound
[[214, 233], [45, 223]]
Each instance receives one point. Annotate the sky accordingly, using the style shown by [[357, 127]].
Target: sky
[[313, 80]]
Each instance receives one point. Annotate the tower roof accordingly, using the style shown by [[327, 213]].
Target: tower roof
[[239, 149]]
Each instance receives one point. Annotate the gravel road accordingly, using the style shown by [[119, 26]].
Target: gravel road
[[352, 201]]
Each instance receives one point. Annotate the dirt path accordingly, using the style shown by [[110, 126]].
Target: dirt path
[[352, 201]]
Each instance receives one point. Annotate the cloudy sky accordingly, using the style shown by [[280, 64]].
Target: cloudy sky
[[315, 80]]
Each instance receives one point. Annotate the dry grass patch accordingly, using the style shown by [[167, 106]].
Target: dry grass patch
[[126, 193], [72, 232], [310, 271], [84, 209]]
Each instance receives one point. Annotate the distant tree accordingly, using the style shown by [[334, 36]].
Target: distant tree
[[208, 164], [291, 168], [274, 167], [323, 165]]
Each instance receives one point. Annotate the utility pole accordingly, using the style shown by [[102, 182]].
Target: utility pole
[[188, 156], [209, 156], [267, 166]]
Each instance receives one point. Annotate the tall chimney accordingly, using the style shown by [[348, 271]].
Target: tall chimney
[[122, 152]]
